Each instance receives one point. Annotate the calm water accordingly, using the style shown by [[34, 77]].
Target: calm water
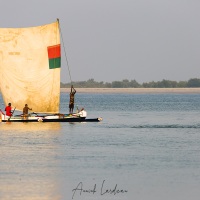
[[147, 146]]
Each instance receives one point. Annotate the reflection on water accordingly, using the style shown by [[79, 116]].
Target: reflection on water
[[29, 161], [45, 191], [34, 126]]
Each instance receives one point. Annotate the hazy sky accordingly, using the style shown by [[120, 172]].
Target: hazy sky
[[112, 40]]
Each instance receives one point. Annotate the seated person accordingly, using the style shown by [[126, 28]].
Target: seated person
[[82, 113]]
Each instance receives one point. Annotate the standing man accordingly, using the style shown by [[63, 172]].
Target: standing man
[[25, 109], [71, 99], [8, 110]]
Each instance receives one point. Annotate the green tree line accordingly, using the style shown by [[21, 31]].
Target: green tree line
[[91, 83]]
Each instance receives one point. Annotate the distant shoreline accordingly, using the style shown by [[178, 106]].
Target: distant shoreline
[[136, 90]]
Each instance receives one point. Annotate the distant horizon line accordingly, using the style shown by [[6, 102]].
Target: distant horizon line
[[128, 80]]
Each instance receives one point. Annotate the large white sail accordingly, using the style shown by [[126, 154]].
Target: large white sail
[[30, 67]]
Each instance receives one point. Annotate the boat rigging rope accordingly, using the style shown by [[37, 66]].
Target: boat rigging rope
[[65, 53]]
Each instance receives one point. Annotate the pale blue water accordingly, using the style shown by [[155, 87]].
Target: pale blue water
[[147, 144]]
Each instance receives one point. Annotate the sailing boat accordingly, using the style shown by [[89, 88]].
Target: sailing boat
[[30, 62]]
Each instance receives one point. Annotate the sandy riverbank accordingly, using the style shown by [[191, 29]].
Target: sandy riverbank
[[136, 90]]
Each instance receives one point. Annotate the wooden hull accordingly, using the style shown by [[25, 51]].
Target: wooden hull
[[35, 117], [54, 120], [73, 119]]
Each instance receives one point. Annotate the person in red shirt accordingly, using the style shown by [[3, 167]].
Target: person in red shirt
[[8, 110]]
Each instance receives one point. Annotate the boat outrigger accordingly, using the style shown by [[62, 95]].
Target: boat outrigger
[[30, 62]]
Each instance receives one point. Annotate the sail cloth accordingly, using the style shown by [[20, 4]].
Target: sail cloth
[[30, 61]]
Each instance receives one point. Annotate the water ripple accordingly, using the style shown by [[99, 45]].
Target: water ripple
[[165, 126]]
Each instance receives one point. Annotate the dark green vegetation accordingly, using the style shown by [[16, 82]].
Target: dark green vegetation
[[91, 83]]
